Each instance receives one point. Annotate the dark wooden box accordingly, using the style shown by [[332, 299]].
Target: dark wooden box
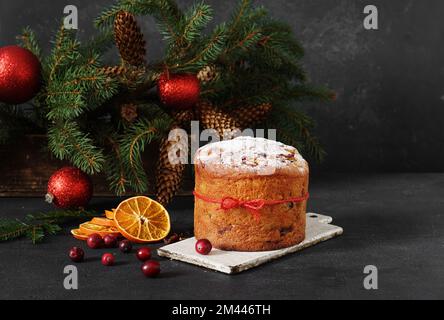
[[27, 164]]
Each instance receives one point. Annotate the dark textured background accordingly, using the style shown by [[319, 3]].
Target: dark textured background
[[390, 82]]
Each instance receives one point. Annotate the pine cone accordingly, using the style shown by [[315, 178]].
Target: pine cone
[[129, 112], [114, 72], [213, 118], [183, 118], [169, 174], [208, 74], [124, 75], [249, 116], [129, 39]]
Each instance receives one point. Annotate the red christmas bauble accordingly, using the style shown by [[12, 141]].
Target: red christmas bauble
[[69, 188], [179, 91], [20, 75]]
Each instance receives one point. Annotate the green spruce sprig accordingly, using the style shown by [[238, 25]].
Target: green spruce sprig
[[294, 128], [37, 227], [133, 145], [28, 40]]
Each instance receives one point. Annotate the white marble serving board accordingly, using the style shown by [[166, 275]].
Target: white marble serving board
[[319, 229]]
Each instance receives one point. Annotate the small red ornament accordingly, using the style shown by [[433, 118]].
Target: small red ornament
[[151, 269], [179, 91], [20, 75], [144, 254], [69, 188], [204, 247], [108, 260]]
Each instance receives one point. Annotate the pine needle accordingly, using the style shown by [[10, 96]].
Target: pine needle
[[37, 227]]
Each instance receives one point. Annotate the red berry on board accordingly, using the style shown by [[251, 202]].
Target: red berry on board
[[125, 246], [95, 241], [144, 254], [69, 188], [76, 254], [20, 75], [108, 260], [204, 247], [151, 269], [110, 241], [179, 91]]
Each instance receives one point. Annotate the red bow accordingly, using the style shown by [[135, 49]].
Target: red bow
[[254, 206]]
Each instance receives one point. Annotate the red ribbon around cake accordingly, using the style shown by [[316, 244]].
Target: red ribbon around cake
[[254, 206]]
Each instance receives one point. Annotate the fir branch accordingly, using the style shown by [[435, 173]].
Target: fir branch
[[99, 44], [65, 51], [133, 144], [116, 172], [248, 39], [61, 216], [309, 92], [282, 31], [12, 229], [208, 52], [67, 141], [166, 13], [195, 20], [238, 16], [294, 128], [28, 40], [107, 17], [64, 103], [78, 89], [36, 227]]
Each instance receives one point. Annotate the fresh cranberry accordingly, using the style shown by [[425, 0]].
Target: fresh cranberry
[[76, 254], [151, 269], [110, 241], [95, 241], [125, 246], [144, 254], [108, 259], [204, 247]]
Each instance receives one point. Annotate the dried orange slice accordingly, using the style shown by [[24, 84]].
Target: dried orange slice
[[89, 228], [103, 222], [79, 235], [142, 220], [110, 214]]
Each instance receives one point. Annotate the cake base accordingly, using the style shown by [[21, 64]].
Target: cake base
[[318, 230]]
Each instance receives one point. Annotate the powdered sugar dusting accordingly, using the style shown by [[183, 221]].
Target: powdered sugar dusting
[[251, 155]]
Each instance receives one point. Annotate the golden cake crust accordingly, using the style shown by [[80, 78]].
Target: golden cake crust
[[278, 226]]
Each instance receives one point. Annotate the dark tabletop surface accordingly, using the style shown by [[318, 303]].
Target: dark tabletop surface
[[395, 222]]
